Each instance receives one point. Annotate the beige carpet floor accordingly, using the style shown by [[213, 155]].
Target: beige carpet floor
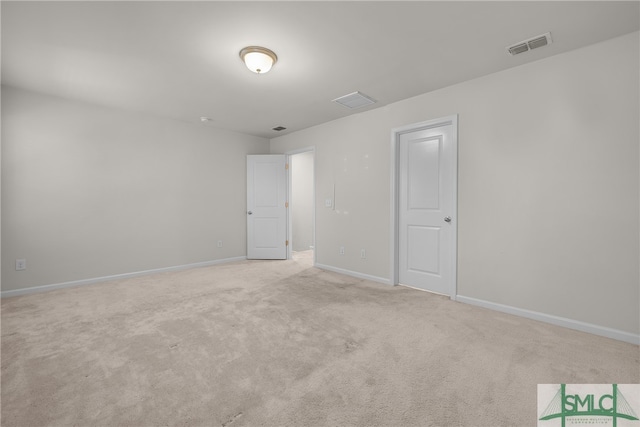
[[280, 343]]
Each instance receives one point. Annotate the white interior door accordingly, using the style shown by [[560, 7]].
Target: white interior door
[[266, 207], [426, 209]]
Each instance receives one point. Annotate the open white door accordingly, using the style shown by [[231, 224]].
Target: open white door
[[266, 207]]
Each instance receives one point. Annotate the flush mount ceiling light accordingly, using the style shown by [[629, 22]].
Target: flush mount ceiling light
[[258, 59]]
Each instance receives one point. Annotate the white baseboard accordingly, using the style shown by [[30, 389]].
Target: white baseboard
[[554, 320], [45, 288], [353, 274]]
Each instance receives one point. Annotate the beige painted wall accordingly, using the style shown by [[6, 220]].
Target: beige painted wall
[[548, 197], [90, 192]]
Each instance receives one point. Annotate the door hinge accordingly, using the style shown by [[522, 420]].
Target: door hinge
[[286, 204], [286, 166], [286, 243]]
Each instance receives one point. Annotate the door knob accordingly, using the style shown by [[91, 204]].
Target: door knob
[[447, 219], [249, 213]]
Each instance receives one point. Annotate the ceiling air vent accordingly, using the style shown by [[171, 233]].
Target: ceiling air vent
[[354, 100], [532, 43], [518, 48]]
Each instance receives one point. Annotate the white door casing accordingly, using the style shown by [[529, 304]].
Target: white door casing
[[424, 225], [266, 207]]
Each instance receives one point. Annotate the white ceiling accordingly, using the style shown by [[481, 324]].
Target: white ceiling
[[180, 59]]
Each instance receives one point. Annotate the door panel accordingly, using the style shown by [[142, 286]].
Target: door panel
[[426, 194], [265, 176], [424, 173], [423, 249], [266, 207], [266, 233]]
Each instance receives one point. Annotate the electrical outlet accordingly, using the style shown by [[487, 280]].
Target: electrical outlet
[[328, 203], [21, 264], [341, 250], [363, 253], [219, 243]]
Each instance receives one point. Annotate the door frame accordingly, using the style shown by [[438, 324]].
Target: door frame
[[395, 194], [288, 155]]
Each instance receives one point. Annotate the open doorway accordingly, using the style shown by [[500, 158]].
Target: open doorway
[[302, 206]]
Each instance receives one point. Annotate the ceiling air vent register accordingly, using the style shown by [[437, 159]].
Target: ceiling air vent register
[[532, 43], [354, 100]]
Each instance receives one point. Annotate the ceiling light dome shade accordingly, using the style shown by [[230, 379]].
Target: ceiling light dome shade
[[258, 59]]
